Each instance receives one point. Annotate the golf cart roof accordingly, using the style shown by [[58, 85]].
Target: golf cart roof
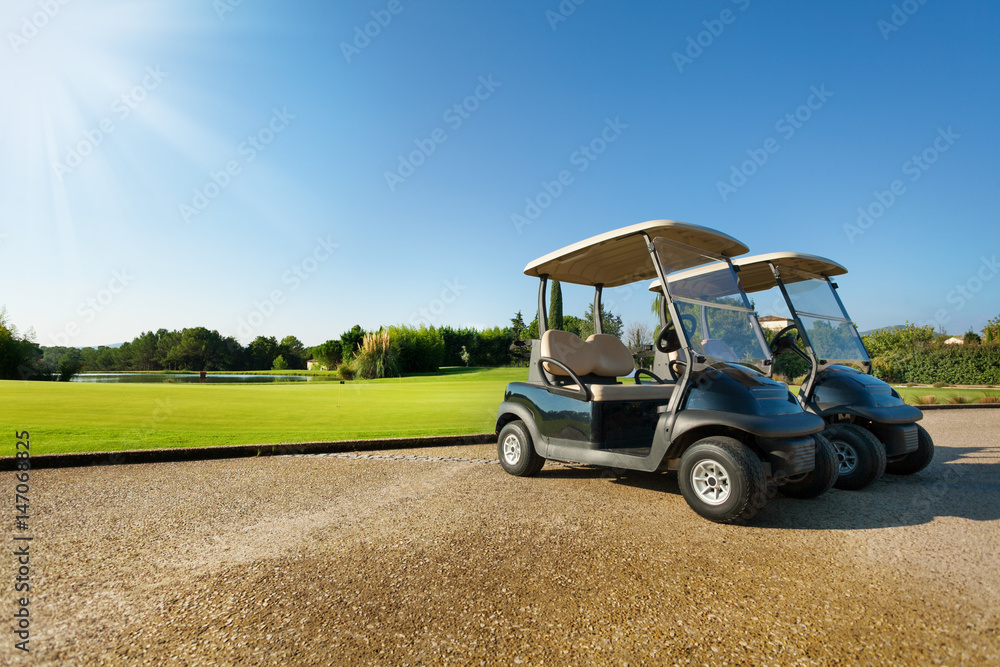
[[621, 257], [756, 276]]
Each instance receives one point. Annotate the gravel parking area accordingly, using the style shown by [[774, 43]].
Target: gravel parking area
[[411, 558]]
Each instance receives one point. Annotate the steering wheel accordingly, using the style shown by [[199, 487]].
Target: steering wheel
[[775, 342], [642, 371]]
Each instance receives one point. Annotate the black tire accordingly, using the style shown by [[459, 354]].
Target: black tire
[[516, 451], [729, 470], [821, 478], [916, 460], [860, 454]]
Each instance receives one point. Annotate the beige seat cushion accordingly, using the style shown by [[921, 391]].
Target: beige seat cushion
[[626, 392], [613, 358], [570, 349]]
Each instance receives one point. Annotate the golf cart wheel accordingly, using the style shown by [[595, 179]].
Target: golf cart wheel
[[516, 451], [821, 478], [916, 460], [722, 480], [860, 453]]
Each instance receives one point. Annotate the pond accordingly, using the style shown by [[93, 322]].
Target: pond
[[187, 377]]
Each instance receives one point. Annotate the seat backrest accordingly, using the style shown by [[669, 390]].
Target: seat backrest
[[570, 349], [613, 358]]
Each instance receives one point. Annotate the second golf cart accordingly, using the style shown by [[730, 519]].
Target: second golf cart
[[873, 430], [726, 428]]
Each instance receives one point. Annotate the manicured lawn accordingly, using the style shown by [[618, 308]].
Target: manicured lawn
[[81, 417], [912, 394]]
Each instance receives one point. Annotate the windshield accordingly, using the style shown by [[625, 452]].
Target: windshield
[[717, 318], [827, 328]]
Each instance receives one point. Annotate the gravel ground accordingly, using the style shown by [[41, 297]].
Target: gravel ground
[[400, 560]]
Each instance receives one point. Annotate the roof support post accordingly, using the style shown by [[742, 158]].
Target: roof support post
[[598, 313]]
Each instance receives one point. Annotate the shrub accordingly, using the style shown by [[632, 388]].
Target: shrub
[[958, 400], [345, 371], [939, 384], [376, 357], [989, 399], [925, 400], [418, 350]]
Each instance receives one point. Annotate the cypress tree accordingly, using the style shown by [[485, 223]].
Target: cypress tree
[[555, 307]]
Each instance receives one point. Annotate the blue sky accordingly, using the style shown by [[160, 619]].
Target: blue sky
[[238, 165]]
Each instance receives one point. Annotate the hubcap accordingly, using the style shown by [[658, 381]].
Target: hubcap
[[711, 482], [846, 457], [511, 450]]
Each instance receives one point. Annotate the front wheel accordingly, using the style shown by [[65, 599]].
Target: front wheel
[[821, 478], [916, 460], [722, 480], [516, 452], [861, 455]]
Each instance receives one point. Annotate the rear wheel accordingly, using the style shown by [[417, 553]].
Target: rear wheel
[[916, 460], [516, 452], [722, 480], [860, 453], [821, 478]]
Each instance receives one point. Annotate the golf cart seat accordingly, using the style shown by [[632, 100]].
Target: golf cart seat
[[598, 362], [713, 347]]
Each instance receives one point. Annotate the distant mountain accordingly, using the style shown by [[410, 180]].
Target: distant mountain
[[889, 328]]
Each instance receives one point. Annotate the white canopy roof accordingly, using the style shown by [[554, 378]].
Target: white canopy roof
[[755, 273], [620, 257]]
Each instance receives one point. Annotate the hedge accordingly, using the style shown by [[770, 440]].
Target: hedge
[[952, 364]]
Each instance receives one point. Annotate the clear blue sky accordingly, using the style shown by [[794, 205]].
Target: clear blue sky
[[104, 244]]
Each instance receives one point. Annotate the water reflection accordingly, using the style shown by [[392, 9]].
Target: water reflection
[[187, 377]]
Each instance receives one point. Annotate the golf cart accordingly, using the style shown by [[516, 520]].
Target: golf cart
[[726, 428], [867, 421]]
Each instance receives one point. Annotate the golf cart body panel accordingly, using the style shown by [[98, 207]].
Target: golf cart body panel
[[574, 407]]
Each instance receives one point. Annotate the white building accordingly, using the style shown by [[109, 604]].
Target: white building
[[775, 323]]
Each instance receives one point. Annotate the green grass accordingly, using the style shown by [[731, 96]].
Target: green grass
[[85, 417], [942, 394]]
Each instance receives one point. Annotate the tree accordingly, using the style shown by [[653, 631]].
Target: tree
[[279, 363], [328, 354], [555, 306], [294, 352], [19, 355], [262, 352], [972, 338], [517, 326], [350, 341], [610, 323], [638, 334], [991, 331], [69, 365]]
